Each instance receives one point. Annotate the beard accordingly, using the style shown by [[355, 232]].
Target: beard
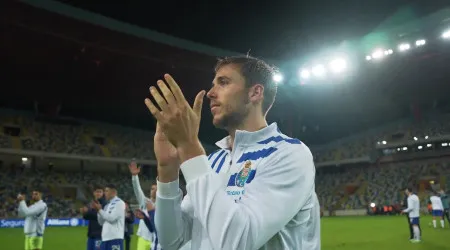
[[234, 115]]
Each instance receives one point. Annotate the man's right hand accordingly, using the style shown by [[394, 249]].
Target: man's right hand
[[134, 169], [166, 156]]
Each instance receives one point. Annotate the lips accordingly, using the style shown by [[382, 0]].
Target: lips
[[214, 107]]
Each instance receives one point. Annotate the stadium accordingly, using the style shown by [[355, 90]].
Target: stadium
[[373, 110]]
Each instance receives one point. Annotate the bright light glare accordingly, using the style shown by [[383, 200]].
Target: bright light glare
[[377, 54], [404, 46], [24, 159], [278, 78], [318, 70], [384, 142], [446, 34], [338, 65], [368, 58], [304, 74], [372, 204], [420, 42]]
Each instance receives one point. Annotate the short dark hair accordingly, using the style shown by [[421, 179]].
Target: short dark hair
[[254, 71], [111, 186], [97, 187], [409, 189]]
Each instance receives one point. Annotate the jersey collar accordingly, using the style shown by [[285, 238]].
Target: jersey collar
[[248, 138]]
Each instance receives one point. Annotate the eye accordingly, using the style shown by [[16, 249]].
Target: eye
[[223, 82]]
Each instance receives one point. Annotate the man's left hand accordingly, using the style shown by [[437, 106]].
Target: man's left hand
[[179, 122]]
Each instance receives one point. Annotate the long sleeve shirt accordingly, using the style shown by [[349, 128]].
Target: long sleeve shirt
[[142, 200], [94, 229], [413, 206], [261, 195], [35, 216], [112, 219]]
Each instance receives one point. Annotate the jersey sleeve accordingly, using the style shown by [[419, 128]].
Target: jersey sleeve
[[113, 213], [173, 219], [410, 206], [285, 177], [33, 210], [140, 196]]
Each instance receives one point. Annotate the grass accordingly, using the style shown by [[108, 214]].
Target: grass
[[350, 233]]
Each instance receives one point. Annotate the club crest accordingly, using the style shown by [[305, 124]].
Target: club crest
[[243, 175]]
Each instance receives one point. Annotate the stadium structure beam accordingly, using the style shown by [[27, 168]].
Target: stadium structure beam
[[109, 23]]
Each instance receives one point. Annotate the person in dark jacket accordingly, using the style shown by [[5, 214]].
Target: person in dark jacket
[[411, 231], [129, 223], [94, 229]]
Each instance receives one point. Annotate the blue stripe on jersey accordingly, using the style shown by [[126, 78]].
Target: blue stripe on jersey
[[213, 165], [213, 153], [232, 180], [278, 139], [221, 163], [255, 155]]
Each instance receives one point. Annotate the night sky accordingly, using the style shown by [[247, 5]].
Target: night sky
[[100, 74], [277, 30]]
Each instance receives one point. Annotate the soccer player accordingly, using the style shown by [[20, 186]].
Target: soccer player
[[256, 192], [414, 213], [437, 209], [94, 228], [445, 204], [112, 219], [35, 216], [145, 237]]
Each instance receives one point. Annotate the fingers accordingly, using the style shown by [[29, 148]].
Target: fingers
[[155, 111], [158, 98], [175, 88], [167, 93], [198, 103]]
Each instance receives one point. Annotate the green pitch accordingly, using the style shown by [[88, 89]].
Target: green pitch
[[352, 233]]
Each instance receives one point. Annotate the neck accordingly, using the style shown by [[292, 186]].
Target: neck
[[253, 122]]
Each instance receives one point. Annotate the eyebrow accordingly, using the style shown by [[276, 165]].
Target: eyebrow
[[221, 78]]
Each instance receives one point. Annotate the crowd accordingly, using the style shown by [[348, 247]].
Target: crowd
[[373, 183]]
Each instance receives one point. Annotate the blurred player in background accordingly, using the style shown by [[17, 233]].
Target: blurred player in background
[[413, 210], [129, 224], [145, 237], [446, 204], [35, 216], [94, 228], [148, 217], [437, 210], [112, 219]]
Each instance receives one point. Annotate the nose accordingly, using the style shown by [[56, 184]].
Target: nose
[[211, 94]]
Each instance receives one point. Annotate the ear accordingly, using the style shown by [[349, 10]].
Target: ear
[[256, 93]]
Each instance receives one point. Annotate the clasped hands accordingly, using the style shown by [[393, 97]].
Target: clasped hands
[[176, 138]]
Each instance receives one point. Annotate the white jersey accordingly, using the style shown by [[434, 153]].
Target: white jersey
[[413, 206], [112, 220], [261, 195], [35, 216], [143, 231], [436, 203]]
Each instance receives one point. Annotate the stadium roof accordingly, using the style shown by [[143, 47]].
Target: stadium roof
[[100, 72]]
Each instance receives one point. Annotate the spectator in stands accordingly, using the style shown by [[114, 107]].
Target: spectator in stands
[[94, 229], [129, 224]]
